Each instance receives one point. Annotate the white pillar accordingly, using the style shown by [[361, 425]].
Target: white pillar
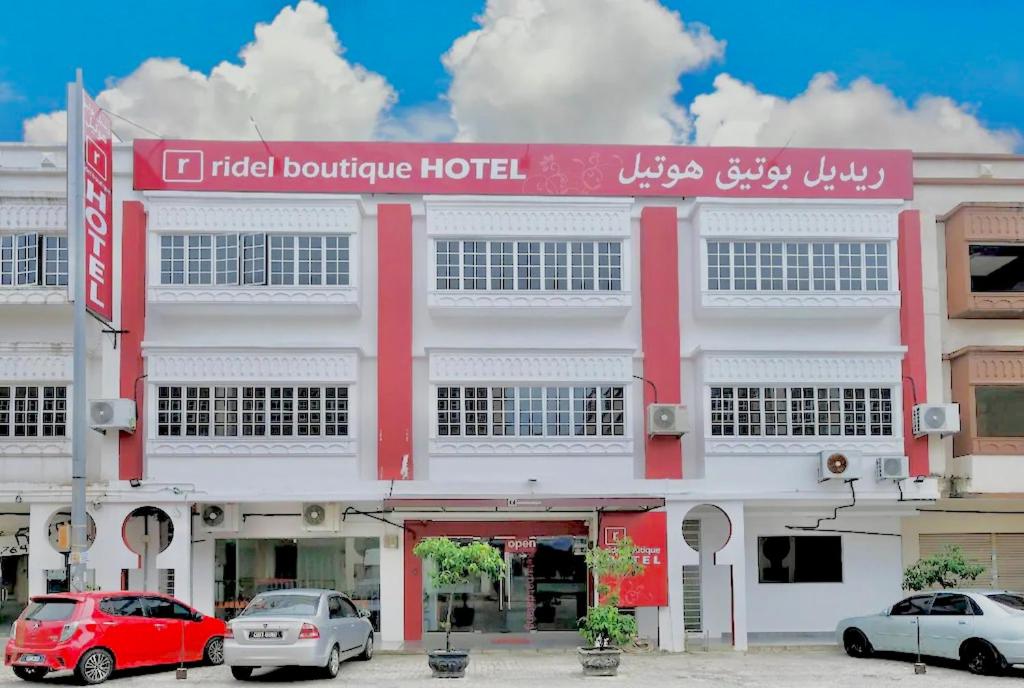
[[734, 554], [671, 632], [392, 590]]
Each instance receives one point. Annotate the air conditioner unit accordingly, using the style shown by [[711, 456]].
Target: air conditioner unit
[[892, 468], [219, 518], [112, 414], [836, 464], [320, 517], [936, 419], [667, 419]]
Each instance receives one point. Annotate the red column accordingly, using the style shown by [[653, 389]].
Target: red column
[[659, 310], [394, 341], [915, 383], [133, 320], [413, 589]]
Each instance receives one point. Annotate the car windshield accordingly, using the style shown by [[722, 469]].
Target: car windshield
[[1008, 600], [282, 605], [50, 610]]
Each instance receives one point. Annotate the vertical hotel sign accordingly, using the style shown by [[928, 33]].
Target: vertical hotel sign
[[98, 211]]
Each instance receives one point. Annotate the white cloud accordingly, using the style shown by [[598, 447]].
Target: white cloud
[[430, 122], [292, 79], [864, 114], [575, 70], [8, 94]]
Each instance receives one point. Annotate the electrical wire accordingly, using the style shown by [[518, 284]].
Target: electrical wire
[[835, 511]]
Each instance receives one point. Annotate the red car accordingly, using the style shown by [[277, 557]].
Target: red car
[[94, 633]]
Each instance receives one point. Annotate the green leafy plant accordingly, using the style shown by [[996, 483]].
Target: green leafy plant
[[604, 625], [947, 569], [456, 565]]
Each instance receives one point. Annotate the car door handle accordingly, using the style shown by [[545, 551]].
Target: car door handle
[[159, 625], [962, 623]]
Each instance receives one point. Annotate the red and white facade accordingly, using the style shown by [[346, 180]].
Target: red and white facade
[[472, 355]]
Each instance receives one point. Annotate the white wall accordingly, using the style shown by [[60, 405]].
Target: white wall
[[871, 576]]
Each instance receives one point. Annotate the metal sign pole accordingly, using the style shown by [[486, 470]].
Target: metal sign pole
[[76, 236]]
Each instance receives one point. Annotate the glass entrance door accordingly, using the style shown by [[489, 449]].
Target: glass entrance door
[[544, 589], [13, 588]]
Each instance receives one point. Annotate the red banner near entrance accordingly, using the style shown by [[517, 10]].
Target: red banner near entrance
[[650, 537], [98, 257], [521, 169]]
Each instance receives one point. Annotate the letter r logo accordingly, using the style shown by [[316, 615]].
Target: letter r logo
[[613, 534], [183, 166]]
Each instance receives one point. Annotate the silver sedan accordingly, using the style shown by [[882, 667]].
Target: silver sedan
[[308, 628]]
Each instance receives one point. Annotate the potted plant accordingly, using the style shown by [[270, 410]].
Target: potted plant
[[456, 565], [604, 626], [947, 569]]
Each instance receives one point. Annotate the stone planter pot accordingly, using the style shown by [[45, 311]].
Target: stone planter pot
[[448, 664], [598, 661]]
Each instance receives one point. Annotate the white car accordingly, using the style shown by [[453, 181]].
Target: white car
[[308, 628], [984, 629]]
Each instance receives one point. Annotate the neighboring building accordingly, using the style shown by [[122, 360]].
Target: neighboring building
[[324, 379], [972, 208]]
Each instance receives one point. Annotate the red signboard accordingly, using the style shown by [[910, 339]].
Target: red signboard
[[99, 212], [521, 169], [650, 537]]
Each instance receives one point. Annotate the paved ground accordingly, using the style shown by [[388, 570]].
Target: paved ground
[[556, 669]]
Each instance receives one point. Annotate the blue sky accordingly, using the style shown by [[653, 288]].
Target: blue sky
[[974, 56]]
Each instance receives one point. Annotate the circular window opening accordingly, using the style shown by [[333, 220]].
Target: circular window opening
[[148, 529], [58, 530]]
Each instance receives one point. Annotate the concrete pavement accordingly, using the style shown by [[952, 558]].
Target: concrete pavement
[[557, 669]]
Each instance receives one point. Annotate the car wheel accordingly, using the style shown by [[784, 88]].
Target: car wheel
[[981, 658], [95, 666], [241, 673], [32, 674], [333, 665], [214, 652], [367, 653], [856, 643]]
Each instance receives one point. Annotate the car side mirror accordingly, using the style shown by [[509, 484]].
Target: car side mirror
[[886, 611], [197, 617], [364, 613]]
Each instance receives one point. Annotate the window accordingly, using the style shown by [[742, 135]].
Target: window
[[482, 265], [235, 411], [163, 608], [801, 411], [33, 411], [531, 411], [1015, 602], [33, 260], [800, 559], [122, 606], [948, 604], [797, 266], [348, 610], [912, 606], [334, 607], [1000, 410], [996, 268], [50, 610], [246, 259]]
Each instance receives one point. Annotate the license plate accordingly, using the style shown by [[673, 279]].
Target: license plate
[[263, 635], [33, 659]]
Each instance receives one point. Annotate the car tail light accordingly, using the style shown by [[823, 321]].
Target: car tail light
[[308, 630], [228, 633], [67, 631]]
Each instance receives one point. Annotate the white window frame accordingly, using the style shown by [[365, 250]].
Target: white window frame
[[241, 215], [800, 222], [12, 276], [529, 219], [802, 369], [221, 367]]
